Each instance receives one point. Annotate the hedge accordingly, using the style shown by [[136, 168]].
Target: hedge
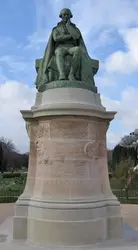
[[13, 175]]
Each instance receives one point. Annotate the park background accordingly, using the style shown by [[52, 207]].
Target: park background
[[110, 31]]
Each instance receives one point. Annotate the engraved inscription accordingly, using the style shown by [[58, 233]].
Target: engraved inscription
[[43, 130], [70, 188], [31, 128], [61, 149], [102, 150], [68, 169], [85, 188], [68, 129], [92, 132], [43, 133], [34, 128], [97, 130], [58, 188]]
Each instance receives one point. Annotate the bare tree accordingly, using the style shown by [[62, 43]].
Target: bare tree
[[9, 150], [109, 157], [1, 155], [8, 144], [11, 159]]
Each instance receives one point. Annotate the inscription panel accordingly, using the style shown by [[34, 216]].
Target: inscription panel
[[69, 188], [32, 154], [43, 130], [92, 130], [94, 169], [43, 133], [102, 150], [85, 188], [60, 171], [68, 129], [101, 131], [38, 189], [32, 160], [97, 130], [33, 130], [63, 149], [66, 169], [49, 152], [56, 188]]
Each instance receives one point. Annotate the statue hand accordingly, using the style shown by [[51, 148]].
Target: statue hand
[[73, 31], [68, 26]]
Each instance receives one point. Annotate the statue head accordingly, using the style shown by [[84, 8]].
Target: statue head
[[65, 14]]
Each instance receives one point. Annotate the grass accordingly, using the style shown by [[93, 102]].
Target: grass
[[11, 188], [12, 184]]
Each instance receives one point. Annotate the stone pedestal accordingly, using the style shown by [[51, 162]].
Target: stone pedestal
[[67, 199]]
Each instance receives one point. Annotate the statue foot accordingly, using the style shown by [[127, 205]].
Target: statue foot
[[62, 77], [71, 77]]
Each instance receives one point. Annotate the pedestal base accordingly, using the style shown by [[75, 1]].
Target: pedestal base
[[67, 199], [73, 224]]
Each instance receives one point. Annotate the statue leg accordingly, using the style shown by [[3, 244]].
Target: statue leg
[[76, 59], [60, 55]]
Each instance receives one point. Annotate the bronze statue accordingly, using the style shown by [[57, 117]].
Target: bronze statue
[[66, 56]]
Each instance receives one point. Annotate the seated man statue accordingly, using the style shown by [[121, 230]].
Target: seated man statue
[[66, 56]]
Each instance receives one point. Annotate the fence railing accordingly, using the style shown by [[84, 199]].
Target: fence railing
[[127, 197], [130, 197], [7, 196]]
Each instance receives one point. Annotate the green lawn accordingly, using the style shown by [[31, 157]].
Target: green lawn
[[11, 188]]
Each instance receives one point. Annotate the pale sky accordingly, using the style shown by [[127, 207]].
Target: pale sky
[[110, 31]]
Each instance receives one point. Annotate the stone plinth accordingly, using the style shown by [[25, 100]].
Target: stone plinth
[[67, 199]]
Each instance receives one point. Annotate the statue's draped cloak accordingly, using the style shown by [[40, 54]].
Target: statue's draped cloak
[[85, 65]]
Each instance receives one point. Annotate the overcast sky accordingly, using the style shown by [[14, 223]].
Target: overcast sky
[[110, 31]]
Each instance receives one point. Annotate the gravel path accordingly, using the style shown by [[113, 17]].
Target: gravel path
[[129, 213], [6, 210]]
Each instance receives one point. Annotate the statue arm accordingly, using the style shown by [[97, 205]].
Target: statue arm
[[59, 38], [73, 31]]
